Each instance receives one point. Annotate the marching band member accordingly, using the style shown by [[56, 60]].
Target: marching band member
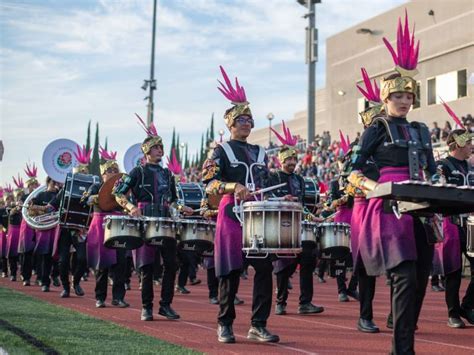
[[294, 190], [5, 205], [387, 243], [66, 237], [454, 170], [27, 234], [101, 259], [227, 173], [44, 238], [153, 188]]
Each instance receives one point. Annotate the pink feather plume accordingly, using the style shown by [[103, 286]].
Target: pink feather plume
[[107, 155], [8, 188], [287, 138], [452, 114], [174, 165], [406, 55], [82, 155], [371, 93], [149, 130], [18, 182], [344, 143], [235, 95], [31, 171]]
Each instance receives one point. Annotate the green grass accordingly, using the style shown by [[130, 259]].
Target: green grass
[[70, 332]]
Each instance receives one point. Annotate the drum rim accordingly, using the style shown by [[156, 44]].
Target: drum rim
[[271, 203], [332, 224]]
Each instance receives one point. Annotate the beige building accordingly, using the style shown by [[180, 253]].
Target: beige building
[[446, 67]]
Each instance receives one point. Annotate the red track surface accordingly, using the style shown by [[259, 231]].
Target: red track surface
[[333, 331]]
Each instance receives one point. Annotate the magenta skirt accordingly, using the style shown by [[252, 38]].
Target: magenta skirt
[[384, 240], [447, 255], [98, 256], [3, 244], [343, 215], [358, 214], [13, 238], [44, 241], [27, 238], [228, 240]]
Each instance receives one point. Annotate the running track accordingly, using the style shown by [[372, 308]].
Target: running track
[[333, 331]]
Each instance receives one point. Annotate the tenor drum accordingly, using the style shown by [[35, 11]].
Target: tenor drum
[[311, 194], [196, 234], [334, 240], [190, 194], [122, 232], [157, 229], [470, 237], [72, 213], [309, 233], [271, 227]]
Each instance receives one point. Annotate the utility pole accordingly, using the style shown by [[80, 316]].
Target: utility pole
[[311, 59], [151, 84]]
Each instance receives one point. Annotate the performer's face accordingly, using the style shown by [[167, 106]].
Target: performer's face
[[109, 173], [155, 154], [242, 127], [466, 151], [399, 103], [289, 165]]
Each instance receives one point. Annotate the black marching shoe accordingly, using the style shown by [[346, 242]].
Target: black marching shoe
[[99, 304], [213, 300], [290, 285], [26, 283], [262, 334], [56, 282], [456, 322], [13, 278], [238, 301], [78, 290], [127, 286], [120, 303], [225, 334], [195, 282], [354, 294], [343, 297], [183, 290], [280, 309], [437, 288], [467, 314], [309, 308], [44, 288], [367, 326], [65, 293], [390, 321], [147, 314], [168, 312]]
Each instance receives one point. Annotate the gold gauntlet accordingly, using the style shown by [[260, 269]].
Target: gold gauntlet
[[129, 206], [229, 187], [359, 180]]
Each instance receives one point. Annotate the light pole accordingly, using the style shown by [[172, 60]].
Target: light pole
[[182, 145], [221, 133], [151, 84], [311, 59], [270, 117]]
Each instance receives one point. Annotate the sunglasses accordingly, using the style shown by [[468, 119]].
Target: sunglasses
[[243, 120]]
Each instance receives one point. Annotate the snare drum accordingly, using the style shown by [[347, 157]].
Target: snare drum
[[334, 240], [122, 232], [196, 234], [190, 194], [311, 194], [271, 227], [158, 228], [309, 233], [72, 213], [470, 237]]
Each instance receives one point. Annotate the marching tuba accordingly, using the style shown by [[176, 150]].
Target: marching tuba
[[35, 217]]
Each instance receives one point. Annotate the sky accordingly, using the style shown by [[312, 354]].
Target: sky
[[65, 62]]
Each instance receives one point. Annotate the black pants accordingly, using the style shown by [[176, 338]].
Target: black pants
[[27, 265], [4, 265], [366, 292], [13, 265], [168, 254], [212, 282], [262, 293], [46, 263], [283, 277], [128, 269], [453, 284], [66, 239], [117, 272], [185, 260]]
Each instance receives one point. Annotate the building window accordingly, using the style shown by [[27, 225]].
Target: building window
[[449, 87], [417, 102]]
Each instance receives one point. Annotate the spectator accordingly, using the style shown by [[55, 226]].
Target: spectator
[[447, 128], [435, 132]]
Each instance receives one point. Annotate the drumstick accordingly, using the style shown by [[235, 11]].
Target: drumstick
[[266, 189]]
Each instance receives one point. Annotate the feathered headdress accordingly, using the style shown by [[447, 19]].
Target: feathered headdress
[[152, 135], [460, 139], [372, 94], [109, 160], [31, 172], [18, 183], [173, 164], [83, 157], [7, 190], [236, 96], [405, 60], [288, 140], [345, 142]]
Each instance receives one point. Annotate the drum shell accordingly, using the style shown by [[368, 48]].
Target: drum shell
[[311, 194], [190, 194], [334, 240], [272, 227], [156, 229], [309, 233], [470, 236], [122, 232], [197, 235]]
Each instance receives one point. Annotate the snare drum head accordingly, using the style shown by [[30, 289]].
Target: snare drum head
[[271, 206]]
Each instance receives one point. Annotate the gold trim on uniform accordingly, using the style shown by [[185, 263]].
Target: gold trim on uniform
[[405, 83], [107, 165], [368, 115], [287, 152], [146, 147], [462, 139]]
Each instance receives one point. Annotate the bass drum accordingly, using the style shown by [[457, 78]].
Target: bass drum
[[311, 194], [190, 194]]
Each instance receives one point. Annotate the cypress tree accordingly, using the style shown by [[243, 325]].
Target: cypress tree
[[211, 135], [177, 148], [201, 153], [186, 158], [95, 170], [173, 141], [88, 139], [105, 145]]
